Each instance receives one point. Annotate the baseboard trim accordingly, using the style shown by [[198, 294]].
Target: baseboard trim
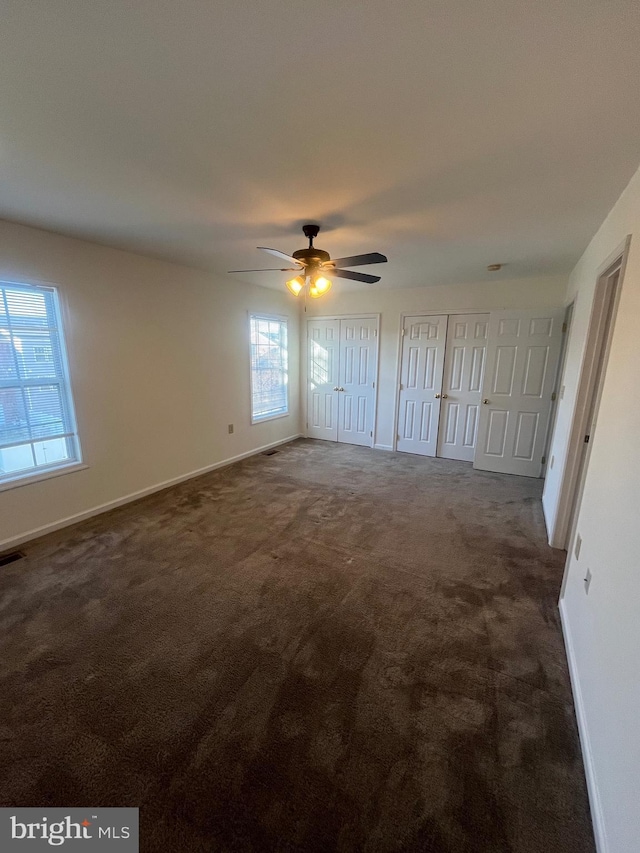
[[6, 544], [382, 447], [597, 817]]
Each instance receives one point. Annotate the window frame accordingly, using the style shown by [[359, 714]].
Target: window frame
[[283, 320], [55, 469]]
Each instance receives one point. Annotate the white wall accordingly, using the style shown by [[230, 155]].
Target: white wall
[[159, 360], [603, 627], [544, 292]]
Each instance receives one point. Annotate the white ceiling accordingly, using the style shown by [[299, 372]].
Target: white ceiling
[[448, 134]]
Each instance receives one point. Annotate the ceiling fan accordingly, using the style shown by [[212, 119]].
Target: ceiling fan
[[314, 265]]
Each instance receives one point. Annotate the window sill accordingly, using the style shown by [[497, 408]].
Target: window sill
[[255, 421], [38, 476]]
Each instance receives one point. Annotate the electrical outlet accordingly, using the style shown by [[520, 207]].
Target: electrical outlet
[[587, 581], [230, 429], [576, 550]]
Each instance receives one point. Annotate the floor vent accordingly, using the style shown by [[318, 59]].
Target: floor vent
[[11, 557], [270, 452]]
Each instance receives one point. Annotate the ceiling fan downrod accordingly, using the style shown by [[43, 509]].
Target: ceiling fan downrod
[[311, 258]]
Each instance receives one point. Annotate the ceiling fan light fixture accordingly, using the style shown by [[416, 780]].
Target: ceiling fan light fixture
[[295, 285], [319, 286], [310, 262]]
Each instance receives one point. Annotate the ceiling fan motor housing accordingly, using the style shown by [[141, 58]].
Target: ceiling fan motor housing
[[311, 256]]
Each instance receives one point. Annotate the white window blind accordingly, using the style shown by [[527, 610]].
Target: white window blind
[[269, 367], [37, 426]]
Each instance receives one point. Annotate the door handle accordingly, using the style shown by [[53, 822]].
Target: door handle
[[340, 389], [437, 396], [445, 396], [336, 388], [486, 402]]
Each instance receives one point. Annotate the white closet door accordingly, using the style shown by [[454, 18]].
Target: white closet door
[[323, 370], [462, 385], [522, 358], [423, 348], [357, 373]]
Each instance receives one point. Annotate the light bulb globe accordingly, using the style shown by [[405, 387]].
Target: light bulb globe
[[295, 285]]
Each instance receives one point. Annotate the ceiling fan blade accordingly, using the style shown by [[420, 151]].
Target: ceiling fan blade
[[270, 269], [360, 260], [282, 255], [354, 276]]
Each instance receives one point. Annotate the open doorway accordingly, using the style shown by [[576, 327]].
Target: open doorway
[[584, 424], [610, 296]]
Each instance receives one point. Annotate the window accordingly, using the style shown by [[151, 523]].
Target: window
[[42, 354], [269, 369], [37, 427]]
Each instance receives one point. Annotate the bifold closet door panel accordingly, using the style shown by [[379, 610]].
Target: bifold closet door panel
[[357, 373], [323, 340], [422, 365], [462, 385]]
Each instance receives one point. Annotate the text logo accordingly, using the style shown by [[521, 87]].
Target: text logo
[[104, 830]]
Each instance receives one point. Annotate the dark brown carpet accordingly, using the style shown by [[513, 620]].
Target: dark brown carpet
[[328, 649]]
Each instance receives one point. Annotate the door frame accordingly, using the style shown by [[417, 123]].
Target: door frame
[[356, 315], [403, 315], [568, 500]]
